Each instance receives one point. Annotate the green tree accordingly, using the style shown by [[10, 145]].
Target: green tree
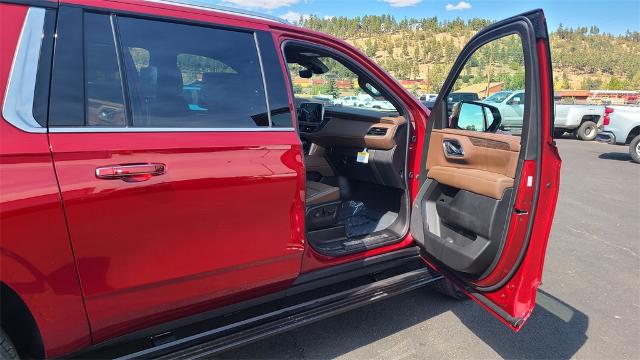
[[565, 85], [332, 89]]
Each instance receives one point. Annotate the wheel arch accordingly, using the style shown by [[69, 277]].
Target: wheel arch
[[594, 118], [632, 134], [19, 324]]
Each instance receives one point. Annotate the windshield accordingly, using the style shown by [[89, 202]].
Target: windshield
[[498, 97]]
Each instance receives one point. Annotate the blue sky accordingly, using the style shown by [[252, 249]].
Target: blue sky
[[614, 16]]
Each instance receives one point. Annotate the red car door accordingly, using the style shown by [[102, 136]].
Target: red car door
[[181, 191], [488, 186]]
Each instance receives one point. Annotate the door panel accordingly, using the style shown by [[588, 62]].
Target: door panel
[[483, 165], [219, 225], [171, 221]]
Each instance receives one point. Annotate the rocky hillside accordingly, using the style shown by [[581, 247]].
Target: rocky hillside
[[424, 49]]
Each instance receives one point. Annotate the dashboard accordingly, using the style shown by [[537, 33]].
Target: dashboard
[[346, 126], [344, 131]]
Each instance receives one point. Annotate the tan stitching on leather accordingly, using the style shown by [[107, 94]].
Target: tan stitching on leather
[[491, 144], [513, 141], [477, 181]]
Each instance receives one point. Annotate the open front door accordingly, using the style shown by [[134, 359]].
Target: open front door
[[490, 169]]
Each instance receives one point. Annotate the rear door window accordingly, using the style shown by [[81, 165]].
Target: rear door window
[[124, 72], [177, 76]]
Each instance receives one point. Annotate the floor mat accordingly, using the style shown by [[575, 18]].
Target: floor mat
[[360, 220]]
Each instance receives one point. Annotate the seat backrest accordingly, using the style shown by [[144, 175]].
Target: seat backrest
[[226, 96], [161, 91]]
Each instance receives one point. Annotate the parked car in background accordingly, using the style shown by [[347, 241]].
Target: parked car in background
[[511, 107], [325, 99], [353, 100], [581, 120], [429, 100], [428, 97], [622, 127], [345, 101], [428, 103], [455, 97], [144, 218], [378, 104]]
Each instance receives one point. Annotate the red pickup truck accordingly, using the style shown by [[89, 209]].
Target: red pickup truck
[[167, 191]]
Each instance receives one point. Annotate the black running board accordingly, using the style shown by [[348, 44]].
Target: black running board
[[214, 341]]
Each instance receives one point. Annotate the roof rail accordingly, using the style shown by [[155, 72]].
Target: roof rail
[[219, 8]]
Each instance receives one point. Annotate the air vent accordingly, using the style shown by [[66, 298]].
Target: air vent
[[377, 131]]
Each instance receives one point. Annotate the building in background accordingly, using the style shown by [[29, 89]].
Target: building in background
[[483, 90]]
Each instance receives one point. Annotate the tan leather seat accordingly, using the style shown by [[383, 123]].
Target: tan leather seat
[[319, 193]]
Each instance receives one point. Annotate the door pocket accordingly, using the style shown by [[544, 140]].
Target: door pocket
[[464, 227]]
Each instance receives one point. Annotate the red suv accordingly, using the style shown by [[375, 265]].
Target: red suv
[[176, 179]]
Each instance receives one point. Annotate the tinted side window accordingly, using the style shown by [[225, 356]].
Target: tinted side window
[[43, 76], [86, 87], [66, 107], [276, 83], [191, 76], [103, 86]]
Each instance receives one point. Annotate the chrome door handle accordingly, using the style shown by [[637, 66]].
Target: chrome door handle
[[131, 172], [452, 148]]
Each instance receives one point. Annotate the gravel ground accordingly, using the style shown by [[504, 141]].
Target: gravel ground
[[588, 304]]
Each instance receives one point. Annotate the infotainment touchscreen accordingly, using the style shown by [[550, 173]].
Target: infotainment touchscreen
[[311, 112]]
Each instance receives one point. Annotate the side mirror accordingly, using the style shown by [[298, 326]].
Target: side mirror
[[515, 101], [475, 116], [305, 73]]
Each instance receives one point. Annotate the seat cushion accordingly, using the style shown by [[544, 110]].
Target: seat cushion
[[319, 193]]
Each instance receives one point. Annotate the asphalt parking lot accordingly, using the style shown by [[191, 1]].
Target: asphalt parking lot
[[588, 304]]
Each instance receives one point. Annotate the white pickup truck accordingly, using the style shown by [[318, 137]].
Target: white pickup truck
[[582, 120]]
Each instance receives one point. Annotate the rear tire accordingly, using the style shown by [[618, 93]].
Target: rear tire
[[446, 287], [7, 351], [587, 131], [634, 149]]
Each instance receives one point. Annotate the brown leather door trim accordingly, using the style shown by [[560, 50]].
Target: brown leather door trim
[[477, 181], [494, 153]]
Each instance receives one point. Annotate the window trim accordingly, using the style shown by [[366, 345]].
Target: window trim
[[130, 129], [262, 76], [92, 129], [19, 98], [124, 84]]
